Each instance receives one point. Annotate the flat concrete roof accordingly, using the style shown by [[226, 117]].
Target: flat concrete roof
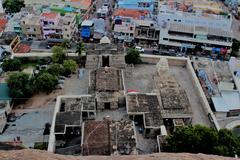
[[106, 79], [71, 118]]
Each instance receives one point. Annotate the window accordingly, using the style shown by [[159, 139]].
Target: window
[[179, 20], [34, 29], [131, 28], [165, 39], [168, 19], [65, 29]]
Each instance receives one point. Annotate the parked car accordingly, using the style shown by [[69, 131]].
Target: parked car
[[155, 51], [60, 81], [59, 86], [140, 49]]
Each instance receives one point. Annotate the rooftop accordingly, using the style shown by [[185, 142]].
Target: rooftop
[[109, 137], [153, 119], [191, 6], [31, 20], [3, 23], [173, 98], [106, 79], [49, 15], [136, 14], [141, 103], [96, 138], [64, 119], [194, 29]]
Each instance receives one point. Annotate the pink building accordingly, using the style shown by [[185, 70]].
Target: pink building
[[49, 22]]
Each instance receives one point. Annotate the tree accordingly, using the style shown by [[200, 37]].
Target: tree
[[55, 69], [59, 54], [200, 139], [20, 85], [45, 82], [235, 48], [80, 49], [13, 6], [11, 65], [133, 56], [70, 66], [66, 44]]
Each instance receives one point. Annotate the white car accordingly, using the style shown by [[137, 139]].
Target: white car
[[140, 49]]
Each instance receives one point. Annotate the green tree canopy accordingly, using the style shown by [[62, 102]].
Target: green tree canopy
[[133, 56], [13, 6], [45, 82], [59, 54], [200, 139], [79, 49], [11, 65], [20, 85], [55, 69], [235, 48], [70, 66]]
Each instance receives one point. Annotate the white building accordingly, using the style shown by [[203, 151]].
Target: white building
[[179, 36], [199, 18]]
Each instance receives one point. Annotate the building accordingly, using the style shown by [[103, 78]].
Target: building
[[195, 12], [184, 38], [174, 100], [219, 85], [3, 23], [124, 30], [14, 23], [69, 113], [147, 33], [99, 29], [83, 5], [56, 26], [144, 109], [87, 29], [108, 86], [108, 137], [5, 108], [49, 22], [69, 25], [136, 4], [101, 55], [131, 13], [31, 27]]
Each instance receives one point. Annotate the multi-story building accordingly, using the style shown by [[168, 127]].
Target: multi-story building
[[31, 27], [185, 38], [124, 29], [136, 4], [195, 14], [56, 26], [49, 22], [147, 32], [69, 27]]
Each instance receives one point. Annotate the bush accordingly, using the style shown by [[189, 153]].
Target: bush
[[11, 65], [45, 82], [20, 85], [200, 139], [133, 56], [59, 54], [70, 66]]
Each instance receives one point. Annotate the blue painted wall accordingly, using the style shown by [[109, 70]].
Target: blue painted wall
[[136, 4]]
